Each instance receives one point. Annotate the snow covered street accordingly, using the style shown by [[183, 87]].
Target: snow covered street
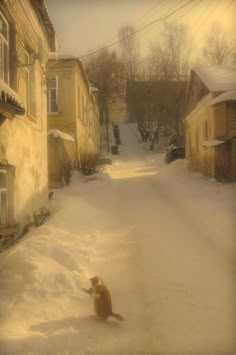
[[163, 240]]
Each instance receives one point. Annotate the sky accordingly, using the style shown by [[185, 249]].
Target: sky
[[83, 26]]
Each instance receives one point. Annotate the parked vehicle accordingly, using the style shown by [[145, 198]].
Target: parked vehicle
[[174, 153]]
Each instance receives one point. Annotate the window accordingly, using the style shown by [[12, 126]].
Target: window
[[3, 197], [4, 50], [52, 95]]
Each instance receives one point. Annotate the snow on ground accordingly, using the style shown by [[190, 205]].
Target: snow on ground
[[163, 240]]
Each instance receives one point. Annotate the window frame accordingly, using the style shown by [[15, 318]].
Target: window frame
[[5, 41], [49, 93]]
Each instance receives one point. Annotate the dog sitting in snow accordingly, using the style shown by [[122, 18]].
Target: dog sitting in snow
[[102, 299]]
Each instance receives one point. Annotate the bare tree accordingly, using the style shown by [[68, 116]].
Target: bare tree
[[169, 61], [217, 49], [129, 50], [169, 55], [106, 72]]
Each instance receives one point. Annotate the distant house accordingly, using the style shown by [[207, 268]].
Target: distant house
[[73, 105], [157, 102], [26, 37], [210, 121]]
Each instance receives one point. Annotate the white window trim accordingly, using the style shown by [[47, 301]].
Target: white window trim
[[49, 96], [6, 41]]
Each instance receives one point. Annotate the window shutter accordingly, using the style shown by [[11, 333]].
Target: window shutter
[[12, 56]]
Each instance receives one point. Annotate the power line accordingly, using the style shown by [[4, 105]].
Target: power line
[[146, 14], [137, 20], [139, 30], [181, 15]]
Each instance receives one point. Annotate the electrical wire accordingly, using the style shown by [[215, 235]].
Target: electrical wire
[[139, 30], [153, 29]]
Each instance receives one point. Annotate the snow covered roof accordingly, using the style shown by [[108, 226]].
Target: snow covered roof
[[212, 143], [62, 57], [56, 133], [57, 56], [93, 88], [10, 100], [217, 77], [227, 96]]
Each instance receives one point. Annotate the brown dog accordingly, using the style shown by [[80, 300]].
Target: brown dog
[[102, 299]]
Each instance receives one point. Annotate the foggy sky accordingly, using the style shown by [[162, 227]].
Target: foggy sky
[[85, 25]]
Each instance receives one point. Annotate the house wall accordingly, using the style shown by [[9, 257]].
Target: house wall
[[220, 113], [231, 115], [225, 120], [24, 139], [83, 115], [199, 127], [95, 124], [64, 119], [78, 113], [195, 93], [225, 129]]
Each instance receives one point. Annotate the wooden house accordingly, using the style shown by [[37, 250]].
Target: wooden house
[[210, 121]]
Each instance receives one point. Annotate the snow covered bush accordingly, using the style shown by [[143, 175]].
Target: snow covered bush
[[90, 164]]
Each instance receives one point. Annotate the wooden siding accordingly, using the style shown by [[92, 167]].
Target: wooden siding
[[231, 111], [199, 127], [223, 167], [196, 92], [225, 120], [220, 114]]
